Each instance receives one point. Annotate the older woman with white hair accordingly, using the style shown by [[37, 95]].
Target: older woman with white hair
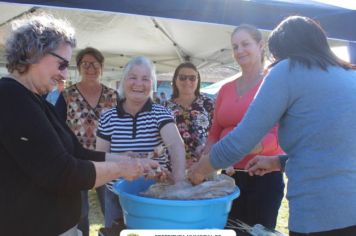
[[139, 125]]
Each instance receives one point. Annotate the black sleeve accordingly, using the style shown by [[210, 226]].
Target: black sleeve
[[86, 154], [79, 151], [61, 107], [34, 145]]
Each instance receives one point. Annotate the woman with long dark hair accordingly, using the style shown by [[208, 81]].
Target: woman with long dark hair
[[311, 93]]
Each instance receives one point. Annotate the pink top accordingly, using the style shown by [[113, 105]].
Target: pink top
[[229, 111]]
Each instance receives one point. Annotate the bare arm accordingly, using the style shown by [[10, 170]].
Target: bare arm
[[104, 146], [175, 144], [119, 166], [123, 167], [199, 171], [208, 145]]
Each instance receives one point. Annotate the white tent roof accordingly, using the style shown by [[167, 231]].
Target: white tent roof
[[167, 42]]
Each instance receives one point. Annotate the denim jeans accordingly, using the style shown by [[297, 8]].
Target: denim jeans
[[83, 224], [113, 211]]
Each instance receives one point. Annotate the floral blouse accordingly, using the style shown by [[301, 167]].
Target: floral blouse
[[193, 124], [82, 118]]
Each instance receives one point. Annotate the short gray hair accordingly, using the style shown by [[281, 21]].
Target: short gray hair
[[140, 60], [33, 37]]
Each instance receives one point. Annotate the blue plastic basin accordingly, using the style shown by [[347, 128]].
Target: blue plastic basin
[[152, 213]]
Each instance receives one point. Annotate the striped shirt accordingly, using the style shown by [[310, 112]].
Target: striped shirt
[[139, 133]]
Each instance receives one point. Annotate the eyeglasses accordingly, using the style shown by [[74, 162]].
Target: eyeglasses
[[86, 65], [191, 78], [62, 65]]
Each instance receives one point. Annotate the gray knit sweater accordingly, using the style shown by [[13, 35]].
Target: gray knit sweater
[[316, 111]]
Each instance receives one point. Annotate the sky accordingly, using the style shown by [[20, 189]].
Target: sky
[[350, 4]]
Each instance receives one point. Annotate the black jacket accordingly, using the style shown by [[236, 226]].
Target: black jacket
[[43, 167]]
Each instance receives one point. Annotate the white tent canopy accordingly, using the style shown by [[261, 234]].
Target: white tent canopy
[[167, 42]]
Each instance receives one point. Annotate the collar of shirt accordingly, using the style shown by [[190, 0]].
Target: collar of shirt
[[121, 112]]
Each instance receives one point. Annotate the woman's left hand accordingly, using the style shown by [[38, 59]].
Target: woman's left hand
[[261, 165]]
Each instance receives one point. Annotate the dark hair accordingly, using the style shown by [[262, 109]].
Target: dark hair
[[302, 40], [33, 37], [254, 33], [89, 51], [175, 75]]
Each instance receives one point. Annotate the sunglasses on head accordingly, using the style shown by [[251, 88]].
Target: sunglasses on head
[[191, 78], [62, 65]]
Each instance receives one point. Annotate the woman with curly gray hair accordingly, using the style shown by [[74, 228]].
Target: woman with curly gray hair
[[43, 165]]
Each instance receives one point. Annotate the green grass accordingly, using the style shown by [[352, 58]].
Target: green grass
[[283, 215], [97, 221], [96, 218]]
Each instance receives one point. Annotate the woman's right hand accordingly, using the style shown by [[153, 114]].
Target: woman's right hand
[[122, 166], [132, 168]]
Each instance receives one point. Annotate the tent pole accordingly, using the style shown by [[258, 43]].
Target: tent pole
[[32, 10], [181, 54]]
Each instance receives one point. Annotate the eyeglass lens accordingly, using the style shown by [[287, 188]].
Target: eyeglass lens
[[62, 65], [86, 64], [191, 78]]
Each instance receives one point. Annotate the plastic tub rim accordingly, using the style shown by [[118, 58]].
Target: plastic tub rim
[[169, 202]]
